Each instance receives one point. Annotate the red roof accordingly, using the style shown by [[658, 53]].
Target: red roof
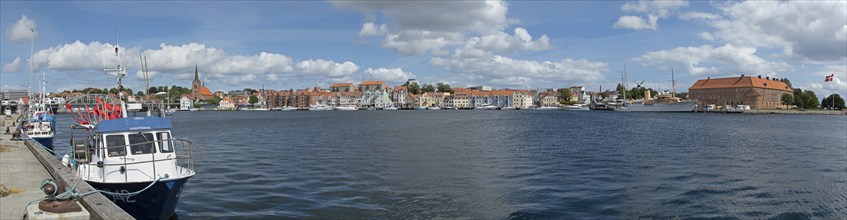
[[740, 82]]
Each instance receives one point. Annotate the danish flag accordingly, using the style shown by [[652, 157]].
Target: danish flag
[[829, 78]]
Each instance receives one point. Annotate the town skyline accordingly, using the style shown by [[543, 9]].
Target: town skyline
[[518, 45]]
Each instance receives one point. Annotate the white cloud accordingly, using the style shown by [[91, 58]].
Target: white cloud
[[416, 27], [706, 60], [813, 30], [698, 16], [501, 42], [653, 9], [499, 70], [178, 62], [660, 8], [636, 22], [81, 56], [327, 68], [837, 85], [21, 30], [13, 67], [370, 29], [392, 75], [706, 36]]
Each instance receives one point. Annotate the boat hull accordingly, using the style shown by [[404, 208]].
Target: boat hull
[[687, 106], [46, 141], [157, 202]]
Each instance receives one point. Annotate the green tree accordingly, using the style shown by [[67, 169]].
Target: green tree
[[811, 100], [253, 99], [620, 90], [564, 94], [443, 87], [787, 99], [414, 88], [139, 93], [214, 100], [428, 88], [153, 90], [249, 90], [828, 102], [799, 98], [787, 82]]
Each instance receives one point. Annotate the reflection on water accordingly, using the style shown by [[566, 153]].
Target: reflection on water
[[513, 164]]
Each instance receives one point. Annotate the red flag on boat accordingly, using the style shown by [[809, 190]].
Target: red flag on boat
[[829, 78]]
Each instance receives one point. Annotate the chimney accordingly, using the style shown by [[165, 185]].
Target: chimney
[[767, 77], [742, 75], [760, 76], [646, 94]]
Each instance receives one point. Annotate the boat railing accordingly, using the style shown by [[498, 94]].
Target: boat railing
[[84, 150]]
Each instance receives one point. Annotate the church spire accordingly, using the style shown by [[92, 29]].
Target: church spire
[[196, 78]]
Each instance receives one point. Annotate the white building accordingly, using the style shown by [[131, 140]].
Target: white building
[[184, 103], [226, 104], [374, 94]]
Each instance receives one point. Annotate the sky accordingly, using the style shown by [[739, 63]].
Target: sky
[[504, 44]]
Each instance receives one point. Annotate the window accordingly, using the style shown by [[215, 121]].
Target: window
[[165, 143], [116, 145], [141, 143]]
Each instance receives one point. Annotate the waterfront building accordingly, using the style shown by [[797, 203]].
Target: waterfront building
[[342, 87], [184, 103], [226, 104], [398, 96], [548, 99], [522, 99], [198, 91], [482, 88], [757, 92], [374, 95], [460, 99], [432, 99]]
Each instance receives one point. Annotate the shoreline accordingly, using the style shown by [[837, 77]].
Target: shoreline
[[795, 112]]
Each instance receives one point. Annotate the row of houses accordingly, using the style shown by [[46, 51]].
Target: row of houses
[[378, 95]]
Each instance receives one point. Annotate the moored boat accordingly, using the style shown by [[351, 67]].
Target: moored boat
[[134, 161]]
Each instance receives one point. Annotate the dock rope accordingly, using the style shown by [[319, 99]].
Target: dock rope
[[70, 193]]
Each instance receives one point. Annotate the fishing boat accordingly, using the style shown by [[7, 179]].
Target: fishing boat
[[39, 123], [390, 108], [507, 108], [133, 160], [434, 108]]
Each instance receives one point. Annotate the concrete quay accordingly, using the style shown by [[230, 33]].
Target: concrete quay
[[27, 163], [20, 172]]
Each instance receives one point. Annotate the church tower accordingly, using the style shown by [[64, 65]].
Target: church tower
[[195, 85]]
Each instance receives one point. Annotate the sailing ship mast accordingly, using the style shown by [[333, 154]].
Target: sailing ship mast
[[673, 84]]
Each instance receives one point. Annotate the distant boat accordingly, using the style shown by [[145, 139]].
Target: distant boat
[[547, 108], [346, 108], [390, 108], [575, 108], [507, 108], [487, 107], [662, 103], [434, 108], [318, 107], [420, 108]]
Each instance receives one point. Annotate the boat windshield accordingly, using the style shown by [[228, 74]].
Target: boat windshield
[[116, 145], [141, 143], [165, 144]]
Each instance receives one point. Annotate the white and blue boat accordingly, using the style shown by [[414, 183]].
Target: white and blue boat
[[39, 124], [135, 161]]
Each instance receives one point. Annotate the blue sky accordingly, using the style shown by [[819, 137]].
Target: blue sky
[[511, 44]]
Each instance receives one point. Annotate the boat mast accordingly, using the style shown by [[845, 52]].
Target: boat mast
[[31, 66], [673, 84]]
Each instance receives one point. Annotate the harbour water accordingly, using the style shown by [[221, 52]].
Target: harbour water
[[511, 165]]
